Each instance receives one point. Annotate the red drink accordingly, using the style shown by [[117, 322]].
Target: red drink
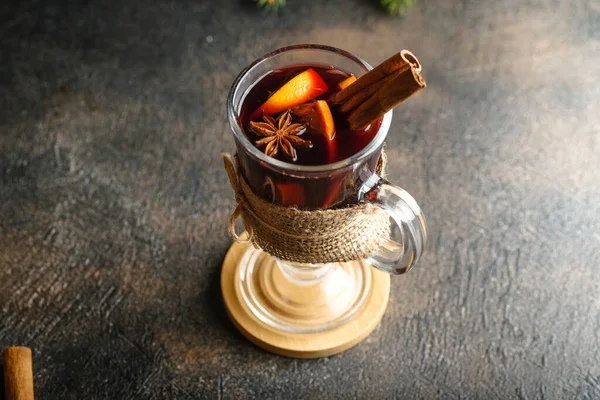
[[325, 148], [295, 150], [345, 142]]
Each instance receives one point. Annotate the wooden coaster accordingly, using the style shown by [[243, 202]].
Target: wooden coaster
[[303, 345]]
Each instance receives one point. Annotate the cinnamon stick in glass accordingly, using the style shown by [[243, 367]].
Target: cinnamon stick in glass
[[379, 90]]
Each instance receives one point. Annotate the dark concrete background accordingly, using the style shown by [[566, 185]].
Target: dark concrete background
[[114, 203]]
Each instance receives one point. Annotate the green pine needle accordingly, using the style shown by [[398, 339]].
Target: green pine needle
[[397, 7], [271, 5], [394, 7]]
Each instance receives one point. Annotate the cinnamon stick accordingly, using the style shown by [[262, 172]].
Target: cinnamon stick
[[379, 90], [389, 96], [361, 96], [18, 374]]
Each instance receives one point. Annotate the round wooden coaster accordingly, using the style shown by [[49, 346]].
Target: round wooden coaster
[[304, 345]]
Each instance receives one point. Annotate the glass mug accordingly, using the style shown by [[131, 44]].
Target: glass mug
[[326, 294]]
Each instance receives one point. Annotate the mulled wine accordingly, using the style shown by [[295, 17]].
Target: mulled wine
[[286, 115], [327, 147]]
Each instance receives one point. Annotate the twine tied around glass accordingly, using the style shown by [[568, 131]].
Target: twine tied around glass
[[306, 236]]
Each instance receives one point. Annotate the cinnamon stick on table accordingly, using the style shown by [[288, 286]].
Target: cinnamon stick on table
[[18, 373], [379, 90]]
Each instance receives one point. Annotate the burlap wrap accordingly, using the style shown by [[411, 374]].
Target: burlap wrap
[[318, 236]]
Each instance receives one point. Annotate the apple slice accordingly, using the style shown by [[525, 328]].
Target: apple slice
[[347, 82], [303, 87]]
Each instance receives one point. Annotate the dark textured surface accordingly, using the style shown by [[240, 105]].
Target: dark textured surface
[[113, 201]]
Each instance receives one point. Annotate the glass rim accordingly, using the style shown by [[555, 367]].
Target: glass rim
[[256, 153]]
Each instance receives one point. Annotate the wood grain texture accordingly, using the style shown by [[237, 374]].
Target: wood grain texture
[[114, 204], [318, 304]]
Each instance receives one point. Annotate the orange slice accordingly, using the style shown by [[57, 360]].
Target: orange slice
[[290, 194], [303, 87], [347, 82], [324, 118], [318, 117]]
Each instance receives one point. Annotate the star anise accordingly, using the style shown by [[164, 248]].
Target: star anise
[[280, 135]]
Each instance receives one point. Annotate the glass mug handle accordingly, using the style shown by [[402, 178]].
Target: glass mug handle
[[408, 236]]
